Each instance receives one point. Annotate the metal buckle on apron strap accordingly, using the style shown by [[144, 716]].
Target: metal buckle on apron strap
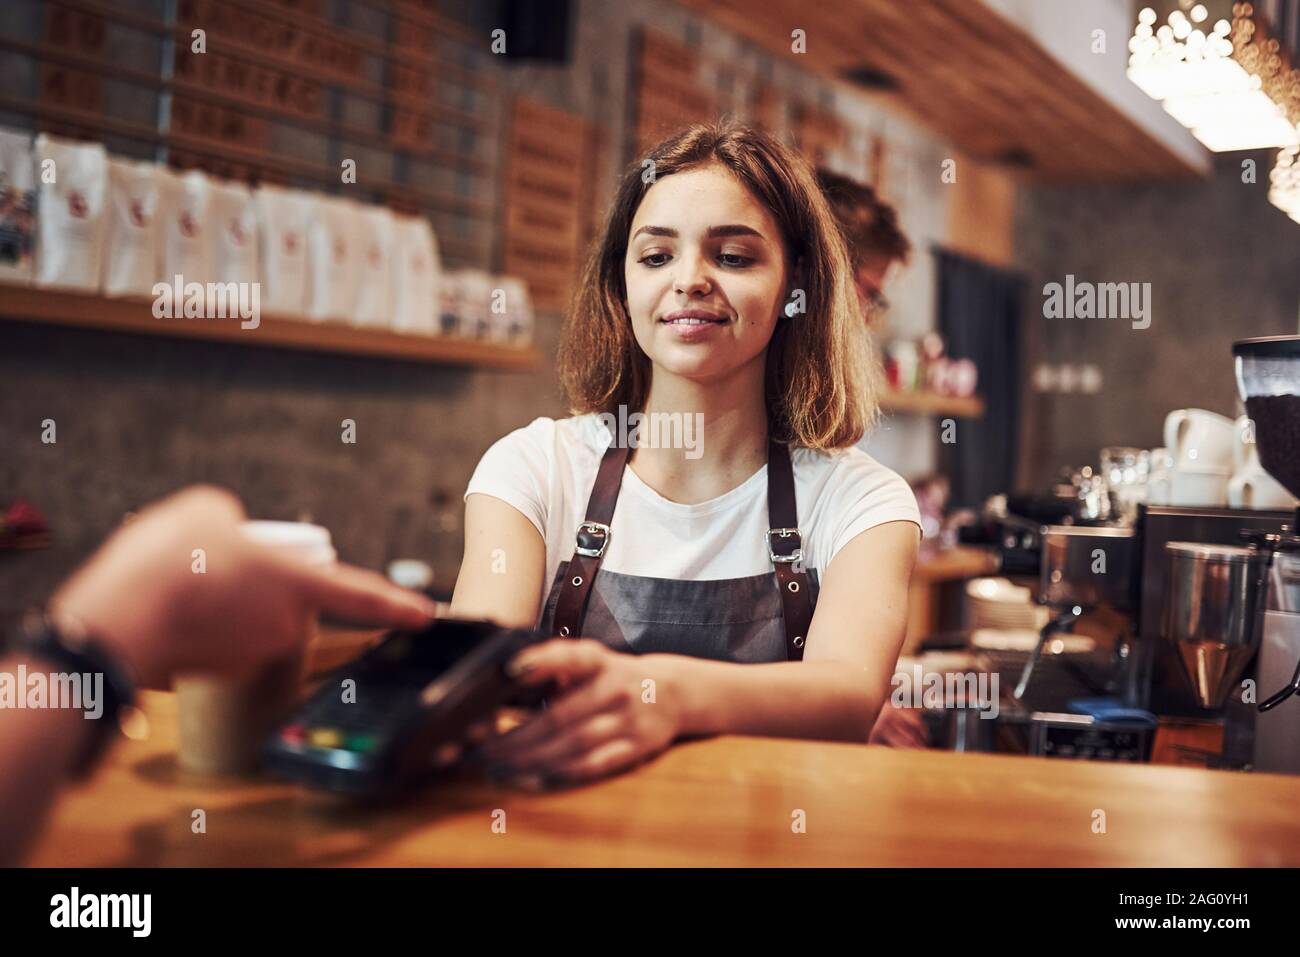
[[592, 539], [785, 533]]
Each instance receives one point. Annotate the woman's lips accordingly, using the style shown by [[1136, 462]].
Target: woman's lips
[[690, 326], [693, 317]]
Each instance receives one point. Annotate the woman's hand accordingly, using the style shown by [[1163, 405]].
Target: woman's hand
[[899, 728], [610, 715]]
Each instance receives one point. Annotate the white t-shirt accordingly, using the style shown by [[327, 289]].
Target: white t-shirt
[[547, 469]]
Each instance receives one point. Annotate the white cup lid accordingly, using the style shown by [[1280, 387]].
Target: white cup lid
[[410, 573], [308, 543]]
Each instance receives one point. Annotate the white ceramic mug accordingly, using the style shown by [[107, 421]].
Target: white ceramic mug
[[1200, 439], [1257, 489], [1198, 487], [1160, 465], [1245, 455]]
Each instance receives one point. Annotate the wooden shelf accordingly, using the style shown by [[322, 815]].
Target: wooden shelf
[[34, 304], [929, 403]]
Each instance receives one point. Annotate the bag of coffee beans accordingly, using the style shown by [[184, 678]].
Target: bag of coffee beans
[[234, 233], [185, 237], [282, 225], [415, 276], [374, 237], [131, 265], [72, 194], [333, 258]]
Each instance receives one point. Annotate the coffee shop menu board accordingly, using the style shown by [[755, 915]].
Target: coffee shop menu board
[[549, 205], [671, 92], [281, 93], [286, 88]]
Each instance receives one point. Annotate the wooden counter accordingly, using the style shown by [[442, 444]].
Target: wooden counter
[[724, 801]]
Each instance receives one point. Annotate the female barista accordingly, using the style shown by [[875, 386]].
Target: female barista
[[759, 575]]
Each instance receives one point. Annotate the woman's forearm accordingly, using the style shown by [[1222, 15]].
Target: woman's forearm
[[826, 700]]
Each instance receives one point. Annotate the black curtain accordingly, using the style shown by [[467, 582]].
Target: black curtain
[[979, 309]]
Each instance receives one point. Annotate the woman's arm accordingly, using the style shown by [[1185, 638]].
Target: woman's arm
[[504, 563], [621, 709], [837, 691]]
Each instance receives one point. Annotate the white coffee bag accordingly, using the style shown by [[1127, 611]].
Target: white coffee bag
[[72, 195], [131, 263], [415, 276], [333, 258], [234, 233], [185, 238], [17, 206], [374, 237], [282, 226]]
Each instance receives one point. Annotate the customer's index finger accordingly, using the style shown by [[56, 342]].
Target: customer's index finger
[[364, 597]]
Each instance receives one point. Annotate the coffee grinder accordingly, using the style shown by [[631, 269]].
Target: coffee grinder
[[1268, 378], [1222, 586], [1218, 609]]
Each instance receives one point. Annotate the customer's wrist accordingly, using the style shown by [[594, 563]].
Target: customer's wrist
[[75, 610], [93, 678]]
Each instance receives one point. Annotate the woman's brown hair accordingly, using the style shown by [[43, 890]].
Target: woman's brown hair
[[822, 376]]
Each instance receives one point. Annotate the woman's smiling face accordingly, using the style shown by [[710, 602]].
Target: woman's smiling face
[[705, 273]]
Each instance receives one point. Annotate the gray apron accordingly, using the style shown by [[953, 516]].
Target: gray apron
[[760, 618]]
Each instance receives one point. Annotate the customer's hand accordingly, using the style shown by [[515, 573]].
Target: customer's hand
[[604, 719], [144, 596]]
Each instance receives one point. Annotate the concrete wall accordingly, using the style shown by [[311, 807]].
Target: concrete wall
[[139, 416], [1223, 264]]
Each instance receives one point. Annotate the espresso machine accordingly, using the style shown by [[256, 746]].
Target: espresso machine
[[1198, 616], [1268, 378], [1204, 604], [1221, 587], [1217, 603]]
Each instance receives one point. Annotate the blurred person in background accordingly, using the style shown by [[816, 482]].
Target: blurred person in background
[[872, 234], [875, 243]]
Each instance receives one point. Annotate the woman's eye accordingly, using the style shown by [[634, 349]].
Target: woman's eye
[[734, 260]]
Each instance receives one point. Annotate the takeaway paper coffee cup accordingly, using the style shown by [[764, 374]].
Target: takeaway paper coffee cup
[[224, 720]]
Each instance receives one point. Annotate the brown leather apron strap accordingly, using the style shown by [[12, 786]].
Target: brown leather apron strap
[[785, 548], [593, 539]]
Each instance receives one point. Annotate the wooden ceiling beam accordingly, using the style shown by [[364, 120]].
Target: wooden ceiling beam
[[967, 73]]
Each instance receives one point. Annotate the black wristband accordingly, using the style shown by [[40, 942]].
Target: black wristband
[[77, 652]]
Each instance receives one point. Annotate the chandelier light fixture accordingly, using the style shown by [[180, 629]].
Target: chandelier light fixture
[[1216, 70], [1284, 182]]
